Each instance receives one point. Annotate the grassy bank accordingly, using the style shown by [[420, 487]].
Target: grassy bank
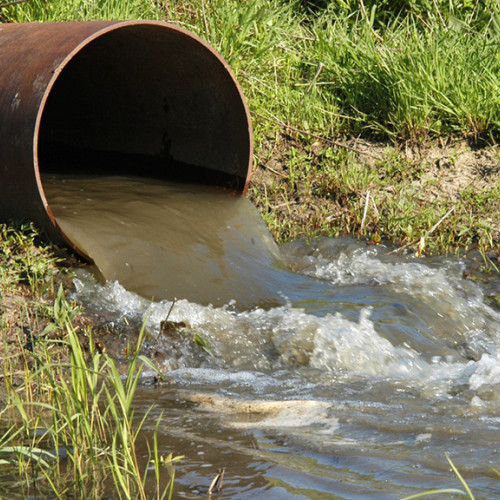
[[67, 427]]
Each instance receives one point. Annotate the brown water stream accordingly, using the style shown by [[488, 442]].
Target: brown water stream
[[165, 240], [339, 371]]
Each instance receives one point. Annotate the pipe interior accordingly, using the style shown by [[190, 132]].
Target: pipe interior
[[146, 100]]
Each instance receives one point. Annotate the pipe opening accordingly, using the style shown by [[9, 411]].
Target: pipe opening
[[147, 99]]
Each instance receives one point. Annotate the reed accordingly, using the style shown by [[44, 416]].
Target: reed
[[75, 428], [66, 416], [466, 491]]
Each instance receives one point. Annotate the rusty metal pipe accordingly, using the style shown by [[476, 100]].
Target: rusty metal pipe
[[141, 96]]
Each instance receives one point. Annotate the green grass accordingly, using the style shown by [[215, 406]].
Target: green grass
[[67, 424], [407, 81], [81, 10], [415, 84], [423, 74], [25, 259], [342, 72], [325, 193]]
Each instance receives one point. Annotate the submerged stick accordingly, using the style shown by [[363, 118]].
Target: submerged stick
[[217, 482], [166, 319]]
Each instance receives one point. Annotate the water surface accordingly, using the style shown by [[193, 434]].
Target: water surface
[[351, 377]]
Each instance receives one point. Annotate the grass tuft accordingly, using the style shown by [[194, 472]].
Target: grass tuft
[[66, 421]]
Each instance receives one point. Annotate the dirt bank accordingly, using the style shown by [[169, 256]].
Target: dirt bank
[[415, 184]]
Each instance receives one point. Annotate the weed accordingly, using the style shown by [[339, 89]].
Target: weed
[[67, 414], [82, 411]]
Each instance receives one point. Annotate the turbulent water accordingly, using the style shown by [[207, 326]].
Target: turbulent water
[[353, 378]]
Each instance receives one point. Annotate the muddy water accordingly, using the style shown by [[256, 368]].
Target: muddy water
[[167, 240], [353, 381]]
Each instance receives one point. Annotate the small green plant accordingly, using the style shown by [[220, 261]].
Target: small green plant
[[25, 260], [75, 425], [203, 343]]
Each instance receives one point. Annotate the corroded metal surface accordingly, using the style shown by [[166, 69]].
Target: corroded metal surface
[[144, 96]]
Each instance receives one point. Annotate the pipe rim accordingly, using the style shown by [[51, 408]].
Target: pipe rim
[[110, 26]]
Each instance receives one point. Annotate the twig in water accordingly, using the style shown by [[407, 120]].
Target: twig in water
[[217, 482], [421, 240], [166, 319], [316, 136]]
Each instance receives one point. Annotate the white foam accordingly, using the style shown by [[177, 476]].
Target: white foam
[[486, 372], [249, 343]]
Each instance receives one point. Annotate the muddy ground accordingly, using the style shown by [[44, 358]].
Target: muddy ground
[[445, 169]]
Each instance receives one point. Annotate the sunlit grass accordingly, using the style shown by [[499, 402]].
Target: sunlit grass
[[81, 10], [66, 417], [333, 73], [335, 70], [376, 200], [416, 83]]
